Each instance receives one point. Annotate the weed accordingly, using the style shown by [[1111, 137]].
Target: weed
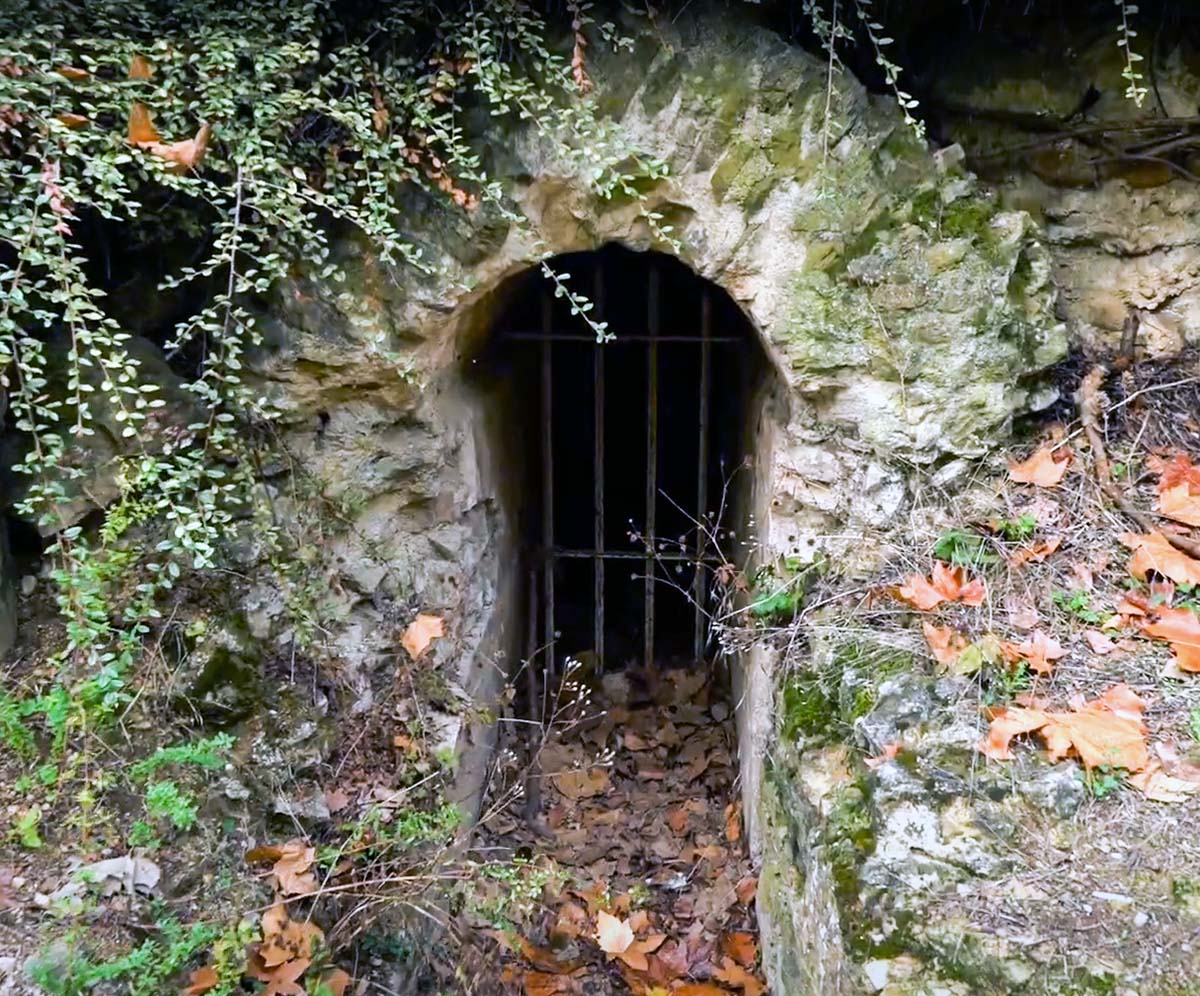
[[1078, 604], [166, 801], [1017, 530], [1103, 781], [1194, 724], [25, 828], [957, 546], [522, 886], [207, 754]]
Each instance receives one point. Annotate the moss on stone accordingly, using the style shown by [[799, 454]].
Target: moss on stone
[[808, 708]]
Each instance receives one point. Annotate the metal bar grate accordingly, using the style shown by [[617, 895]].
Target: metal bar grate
[[564, 535]]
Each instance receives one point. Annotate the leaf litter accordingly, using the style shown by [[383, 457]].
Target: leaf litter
[[641, 814]]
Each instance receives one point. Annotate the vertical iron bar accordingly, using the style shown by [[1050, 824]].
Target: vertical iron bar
[[651, 456], [548, 492], [598, 473], [698, 583]]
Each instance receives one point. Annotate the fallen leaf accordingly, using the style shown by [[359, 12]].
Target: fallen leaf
[[747, 889], [69, 120], [731, 973], [421, 632], [184, 155], [1099, 643], [140, 68], [1045, 468], [141, 128], [1180, 503], [1037, 553], [292, 864], [947, 584], [1156, 784], [945, 642], [699, 989], [1108, 731], [733, 821], [1039, 650], [613, 934], [1179, 627], [201, 980], [582, 783], [1152, 552], [73, 73], [741, 947]]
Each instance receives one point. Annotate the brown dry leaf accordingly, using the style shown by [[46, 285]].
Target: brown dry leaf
[[1037, 553], [1180, 503], [73, 73], [1039, 650], [1106, 731], [184, 155], [1172, 472], [947, 584], [1045, 468], [1099, 643], [1155, 783], [140, 68], [201, 981], [336, 981], [421, 632], [733, 974], [1180, 628], [141, 128], [733, 821], [747, 889], [741, 947], [293, 868], [945, 642], [1152, 552], [285, 939], [698, 989], [613, 934], [583, 783], [336, 799], [73, 121], [547, 984]]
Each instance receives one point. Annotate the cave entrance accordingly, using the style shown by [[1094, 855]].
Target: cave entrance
[[631, 453]]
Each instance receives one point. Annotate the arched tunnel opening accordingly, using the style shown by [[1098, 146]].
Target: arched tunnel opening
[[626, 390]]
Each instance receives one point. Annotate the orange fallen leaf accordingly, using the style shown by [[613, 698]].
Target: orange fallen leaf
[[699, 989], [141, 127], [1157, 784], [73, 73], [945, 642], [291, 865], [286, 940], [1105, 731], [421, 632], [1045, 468], [741, 947], [731, 973], [1181, 629], [72, 121], [946, 584], [1152, 552], [184, 155], [201, 981], [1180, 503], [1172, 472], [1039, 650], [140, 68], [1037, 553], [733, 821], [746, 890]]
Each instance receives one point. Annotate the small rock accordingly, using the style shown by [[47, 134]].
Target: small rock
[[312, 808], [28, 585], [1141, 918], [1059, 791], [877, 973], [231, 788]]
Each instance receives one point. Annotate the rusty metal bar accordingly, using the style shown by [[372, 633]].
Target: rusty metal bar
[[698, 583], [548, 493], [598, 473], [651, 455], [684, 557], [618, 340]]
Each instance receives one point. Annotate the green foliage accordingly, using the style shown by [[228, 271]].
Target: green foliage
[[13, 731], [207, 754], [165, 801], [1194, 724], [1079, 604], [25, 828], [1017, 530], [968, 549], [779, 592], [1104, 781], [147, 970]]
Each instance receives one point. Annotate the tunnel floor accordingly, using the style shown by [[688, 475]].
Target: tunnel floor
[[637, 807]]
